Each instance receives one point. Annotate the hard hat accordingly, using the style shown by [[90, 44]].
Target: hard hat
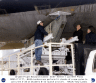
[[39, 22]]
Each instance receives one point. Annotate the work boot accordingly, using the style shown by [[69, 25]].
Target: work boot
[[38, 62]]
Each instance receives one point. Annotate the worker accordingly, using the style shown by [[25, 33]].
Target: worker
[[78, 33], [91, 36], [39, 36]]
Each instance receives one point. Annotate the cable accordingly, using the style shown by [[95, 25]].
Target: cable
[[57, 5]]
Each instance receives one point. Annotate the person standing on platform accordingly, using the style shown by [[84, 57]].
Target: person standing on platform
[[91, 36], [39, 36], [78, 33]]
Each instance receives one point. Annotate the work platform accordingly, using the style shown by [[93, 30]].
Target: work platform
[[54, 60]]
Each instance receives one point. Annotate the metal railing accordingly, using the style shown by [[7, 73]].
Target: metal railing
[[32, 66]]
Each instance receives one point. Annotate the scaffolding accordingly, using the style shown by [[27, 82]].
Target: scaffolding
[[30, 51]]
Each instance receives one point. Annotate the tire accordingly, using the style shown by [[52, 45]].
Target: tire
[[43, 71], [12, 72]]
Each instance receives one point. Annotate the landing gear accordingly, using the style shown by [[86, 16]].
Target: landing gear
[[43, 71], [12, 72]]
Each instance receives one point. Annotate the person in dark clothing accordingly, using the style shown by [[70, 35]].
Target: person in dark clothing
[[39, 36], [91, 36], [78, 33]]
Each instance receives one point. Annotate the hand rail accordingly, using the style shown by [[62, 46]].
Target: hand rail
[[50, 58]]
